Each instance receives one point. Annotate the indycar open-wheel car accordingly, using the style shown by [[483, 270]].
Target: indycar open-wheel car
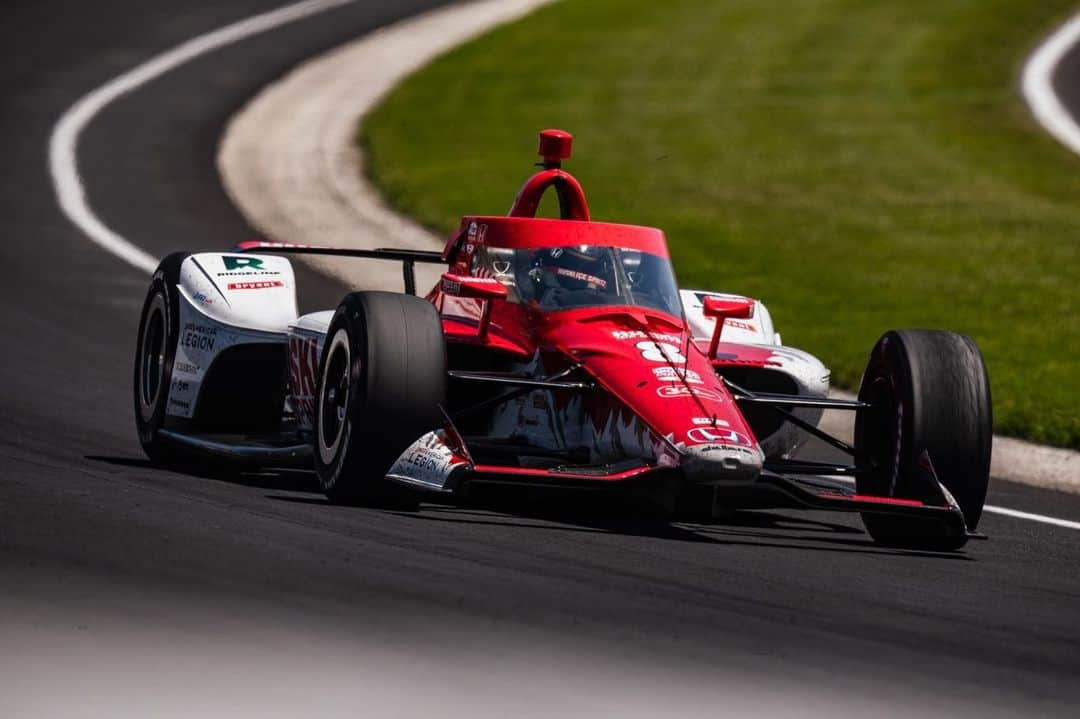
[[551, 353]]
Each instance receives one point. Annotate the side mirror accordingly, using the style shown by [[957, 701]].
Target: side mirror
[[722, 308], [479, 288], [738, 308]]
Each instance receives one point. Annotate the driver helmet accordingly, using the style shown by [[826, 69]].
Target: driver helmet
[[582, 267]]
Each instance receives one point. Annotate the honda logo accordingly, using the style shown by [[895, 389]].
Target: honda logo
[[718, 435]]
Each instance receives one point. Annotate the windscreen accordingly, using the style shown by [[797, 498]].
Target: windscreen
[[558, 278]]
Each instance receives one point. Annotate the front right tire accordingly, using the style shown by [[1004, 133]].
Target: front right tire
[[382, 381]]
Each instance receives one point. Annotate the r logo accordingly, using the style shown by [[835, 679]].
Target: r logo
[[239, 263]]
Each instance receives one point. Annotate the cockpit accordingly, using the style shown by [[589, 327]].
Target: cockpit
[[558, 278]]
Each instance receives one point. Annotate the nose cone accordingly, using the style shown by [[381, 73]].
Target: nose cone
[[667, 382], [721, 464]]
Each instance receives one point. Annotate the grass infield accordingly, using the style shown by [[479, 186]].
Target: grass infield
[[858, 166]]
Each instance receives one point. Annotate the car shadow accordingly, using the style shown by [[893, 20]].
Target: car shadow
[[283, 479], [742, 528], [751, 528], [301, 500]]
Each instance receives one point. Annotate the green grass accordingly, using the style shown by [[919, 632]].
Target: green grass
[[859, 166]]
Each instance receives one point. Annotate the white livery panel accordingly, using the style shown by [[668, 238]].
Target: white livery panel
[[757, 330], [226, 300], [809, 374], [427, 463], [253, 292]]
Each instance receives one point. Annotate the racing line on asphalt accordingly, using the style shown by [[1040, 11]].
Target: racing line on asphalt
[[1038, 85], [71, 195], [63, 143], [1032, 517]]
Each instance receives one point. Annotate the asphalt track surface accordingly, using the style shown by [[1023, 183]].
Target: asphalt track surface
[[99, 549], [1066, 81]]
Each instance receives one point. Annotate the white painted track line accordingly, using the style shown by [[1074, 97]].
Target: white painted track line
[[63, 144], [1004, 511], [1038, 87], [1041, 518]]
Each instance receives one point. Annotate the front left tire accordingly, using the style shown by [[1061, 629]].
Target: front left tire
[[928, 392]]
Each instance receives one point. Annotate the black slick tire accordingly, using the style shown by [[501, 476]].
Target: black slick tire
[[382, 379], [930, 392], [155, 352]]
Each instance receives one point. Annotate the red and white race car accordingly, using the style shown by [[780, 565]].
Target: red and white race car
[[553, 352]]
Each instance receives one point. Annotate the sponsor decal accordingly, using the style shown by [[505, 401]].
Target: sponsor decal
[[179, 385], [472, 229], [203, 329], [303, 365], [201, 298], [660, 352], [428, 461], [180, 403], [580, 276], [677, 374], [740, 325], [678, 390], [199, 337], [710, 421], [256, 285], [240, 266], [454, 287], [451, 287], [639, 335], [233, 262], [186, 368], [718, 435]]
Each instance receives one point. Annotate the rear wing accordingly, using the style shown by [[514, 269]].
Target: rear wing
[[407, 258]]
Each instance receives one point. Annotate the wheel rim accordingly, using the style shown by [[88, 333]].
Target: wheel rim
[[152, 362], [883, 435], [334, 390]]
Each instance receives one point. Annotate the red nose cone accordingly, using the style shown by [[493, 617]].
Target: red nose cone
[[554, 146]]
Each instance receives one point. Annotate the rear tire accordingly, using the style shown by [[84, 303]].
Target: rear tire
[[382, 379], [930, 392], [155, 352]]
